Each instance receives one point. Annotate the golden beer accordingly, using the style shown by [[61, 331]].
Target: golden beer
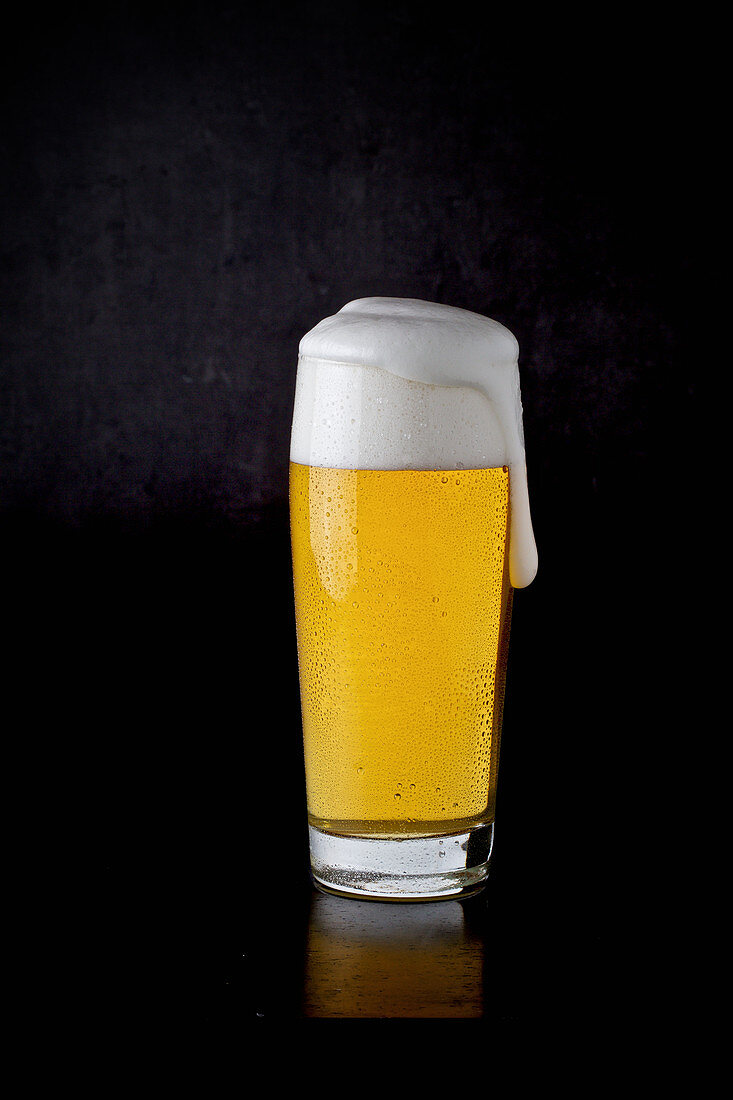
[[410, 529], [403, 604]]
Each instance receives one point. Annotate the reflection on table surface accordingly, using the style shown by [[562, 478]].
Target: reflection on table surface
[[547, 940], [371, 959]]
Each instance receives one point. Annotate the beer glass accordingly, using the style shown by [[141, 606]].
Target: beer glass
[[410, 527]]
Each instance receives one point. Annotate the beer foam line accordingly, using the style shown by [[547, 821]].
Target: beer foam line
[[437, 388]]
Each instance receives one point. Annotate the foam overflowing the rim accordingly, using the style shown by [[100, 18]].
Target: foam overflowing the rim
[[393, 383]]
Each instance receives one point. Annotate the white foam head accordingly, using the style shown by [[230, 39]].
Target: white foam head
[[391, 383]]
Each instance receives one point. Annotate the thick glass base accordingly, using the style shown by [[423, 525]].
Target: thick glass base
[[454, 865]]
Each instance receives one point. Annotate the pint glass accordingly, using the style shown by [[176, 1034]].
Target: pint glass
[[410, 528]]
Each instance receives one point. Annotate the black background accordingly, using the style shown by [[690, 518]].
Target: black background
[[186, 190]]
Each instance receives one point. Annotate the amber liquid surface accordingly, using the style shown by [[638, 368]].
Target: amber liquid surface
[[402, 605]]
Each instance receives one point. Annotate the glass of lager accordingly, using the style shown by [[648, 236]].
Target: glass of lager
[[410, 528]]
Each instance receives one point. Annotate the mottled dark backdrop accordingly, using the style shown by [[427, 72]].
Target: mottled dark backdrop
[[185, 190]]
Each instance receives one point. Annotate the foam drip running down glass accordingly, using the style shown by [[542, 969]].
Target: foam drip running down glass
[[410, 529]]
